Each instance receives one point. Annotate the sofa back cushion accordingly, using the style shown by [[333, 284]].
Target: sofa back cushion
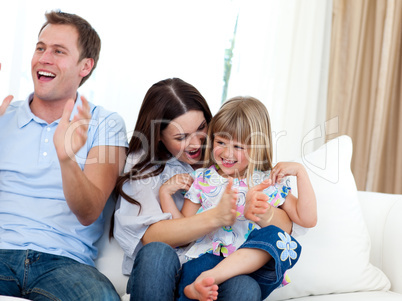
[[336, 253]]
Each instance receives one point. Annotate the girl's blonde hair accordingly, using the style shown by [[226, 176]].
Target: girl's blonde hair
[[246, 120]]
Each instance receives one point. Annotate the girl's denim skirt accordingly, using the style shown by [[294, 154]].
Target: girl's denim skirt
[[285, 252], [283, 248]]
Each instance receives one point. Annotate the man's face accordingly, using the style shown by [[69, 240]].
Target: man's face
[[56, 71]]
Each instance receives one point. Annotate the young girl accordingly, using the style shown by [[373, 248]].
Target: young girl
[[239, 155]]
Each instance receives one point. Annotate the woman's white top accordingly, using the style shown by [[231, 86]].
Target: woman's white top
[[131, 222]]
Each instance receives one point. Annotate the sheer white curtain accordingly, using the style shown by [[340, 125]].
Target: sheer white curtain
[[281, 57], [142, 42]]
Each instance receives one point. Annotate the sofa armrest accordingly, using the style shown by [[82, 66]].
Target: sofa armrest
[[383, 216]]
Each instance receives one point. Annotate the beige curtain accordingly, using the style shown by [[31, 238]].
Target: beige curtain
[[364, 92]]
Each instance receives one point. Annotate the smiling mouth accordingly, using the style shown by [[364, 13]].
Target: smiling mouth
[[46, 75], [228, 163], [194, 154]]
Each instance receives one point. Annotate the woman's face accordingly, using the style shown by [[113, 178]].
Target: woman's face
[[185, 135]]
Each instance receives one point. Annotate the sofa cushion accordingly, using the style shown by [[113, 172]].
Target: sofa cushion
[[335, 255], [359, 296]]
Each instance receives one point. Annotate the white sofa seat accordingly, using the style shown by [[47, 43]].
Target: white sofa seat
[[383, 216], [385, 227], [360, 296]]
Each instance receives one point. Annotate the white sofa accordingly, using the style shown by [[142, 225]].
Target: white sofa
[[352, 254]]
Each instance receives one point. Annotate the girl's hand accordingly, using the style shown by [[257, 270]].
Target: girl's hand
[[179, 181], [256, 201], [226, 209], [5, 103], [302, 209], [284, 169]]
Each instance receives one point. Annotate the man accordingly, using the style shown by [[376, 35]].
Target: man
[[60, 157]]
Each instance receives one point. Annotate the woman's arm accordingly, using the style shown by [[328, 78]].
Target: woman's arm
[[181, 231], [178, 232]]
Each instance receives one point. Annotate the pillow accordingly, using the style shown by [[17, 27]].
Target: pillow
[[335, 254]]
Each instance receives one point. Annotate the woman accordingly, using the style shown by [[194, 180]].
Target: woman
[[168, 141]]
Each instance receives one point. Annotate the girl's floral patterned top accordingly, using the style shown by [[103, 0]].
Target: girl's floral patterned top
[[207, 190]]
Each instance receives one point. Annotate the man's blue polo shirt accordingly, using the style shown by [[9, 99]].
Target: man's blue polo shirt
[[33, 211]]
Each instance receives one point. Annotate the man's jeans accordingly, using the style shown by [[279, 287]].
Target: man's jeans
[[41, 276], [156, 274]]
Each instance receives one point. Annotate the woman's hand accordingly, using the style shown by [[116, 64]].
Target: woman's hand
[[256, 202], [179, 181], [284, 169], [5, 103]]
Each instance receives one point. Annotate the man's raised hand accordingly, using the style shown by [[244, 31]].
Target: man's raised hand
[[70, 136], [5, 103]]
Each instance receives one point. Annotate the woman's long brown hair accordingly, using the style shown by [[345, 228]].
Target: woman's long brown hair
[[164, 101]]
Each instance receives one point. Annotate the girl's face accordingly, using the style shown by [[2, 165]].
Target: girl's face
[[185, 135], [231, 157]]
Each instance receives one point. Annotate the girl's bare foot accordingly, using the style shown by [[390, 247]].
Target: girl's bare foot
[[202, 289]]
